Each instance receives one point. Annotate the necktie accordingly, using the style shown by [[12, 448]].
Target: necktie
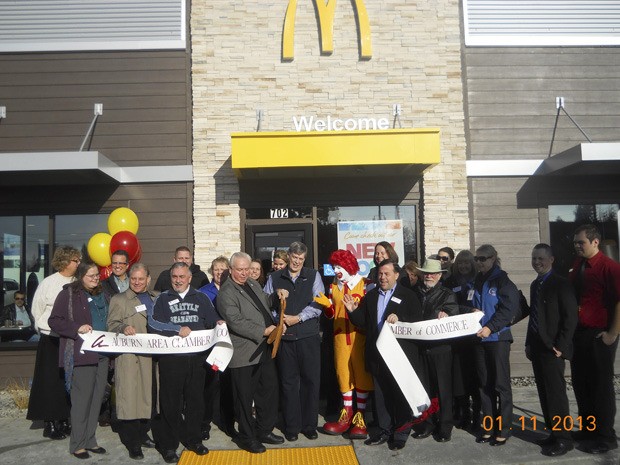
[[534, 309]]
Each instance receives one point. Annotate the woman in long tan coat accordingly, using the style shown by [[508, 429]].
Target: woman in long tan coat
[[133, 373]]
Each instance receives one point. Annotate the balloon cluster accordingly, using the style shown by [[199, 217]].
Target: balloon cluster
[[122, 226]]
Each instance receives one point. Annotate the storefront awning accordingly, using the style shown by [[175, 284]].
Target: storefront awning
[[91, 167], [586, 159], [392, 152]]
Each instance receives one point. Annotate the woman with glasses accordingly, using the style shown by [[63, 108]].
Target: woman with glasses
[[498, 298], [82, 307], [48, 398]]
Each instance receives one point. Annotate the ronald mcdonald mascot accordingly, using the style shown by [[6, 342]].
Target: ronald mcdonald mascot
[[349, 344]]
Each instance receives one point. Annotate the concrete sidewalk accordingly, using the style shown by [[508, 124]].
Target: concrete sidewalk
[[21, 444]]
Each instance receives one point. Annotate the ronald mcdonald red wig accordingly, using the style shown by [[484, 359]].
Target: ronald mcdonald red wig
[[345, 259]]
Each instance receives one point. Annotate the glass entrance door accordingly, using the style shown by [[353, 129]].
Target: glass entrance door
[[262, 240]]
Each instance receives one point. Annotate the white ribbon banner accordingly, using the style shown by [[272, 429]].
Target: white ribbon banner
[[398, 363], [404, 374], [152, 344], [443, 328]]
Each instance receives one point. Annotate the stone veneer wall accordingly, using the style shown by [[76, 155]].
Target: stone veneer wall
[[237, 69]]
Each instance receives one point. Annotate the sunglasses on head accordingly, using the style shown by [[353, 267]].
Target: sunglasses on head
[[482, 258]]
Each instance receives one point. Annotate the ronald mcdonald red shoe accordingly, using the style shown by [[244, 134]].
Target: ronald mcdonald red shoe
[[358, 431], [340, 426]]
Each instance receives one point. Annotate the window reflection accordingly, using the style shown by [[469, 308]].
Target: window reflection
[[329, 217], [564, 219]]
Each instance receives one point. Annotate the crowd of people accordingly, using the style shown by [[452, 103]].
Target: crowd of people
[[177, 397]]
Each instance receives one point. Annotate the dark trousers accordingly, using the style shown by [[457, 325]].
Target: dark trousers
[[438, 361], [592, 369], [493, 370], [391, 407], [181, 402], [551, 385], [299, 363], [133, 432], [258, 384], [219, 408]]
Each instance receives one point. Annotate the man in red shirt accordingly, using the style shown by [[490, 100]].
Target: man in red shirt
[[596, 280]]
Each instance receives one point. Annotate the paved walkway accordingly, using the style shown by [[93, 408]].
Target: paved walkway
[[21, 444]]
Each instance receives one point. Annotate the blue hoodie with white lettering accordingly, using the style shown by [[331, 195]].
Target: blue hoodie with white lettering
[[171, 312]]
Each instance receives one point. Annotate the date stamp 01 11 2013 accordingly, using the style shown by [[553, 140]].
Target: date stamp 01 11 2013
[[559, 423]]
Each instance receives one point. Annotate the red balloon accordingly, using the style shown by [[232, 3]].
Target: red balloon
[[136, 258], [105, 272], [127, 241]]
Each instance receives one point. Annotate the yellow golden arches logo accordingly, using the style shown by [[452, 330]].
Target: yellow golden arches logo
[[325, 12]]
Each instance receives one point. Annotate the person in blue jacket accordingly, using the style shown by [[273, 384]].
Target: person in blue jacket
[[498, 298]]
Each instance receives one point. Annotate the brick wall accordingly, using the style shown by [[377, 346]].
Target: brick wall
[[237, 69]]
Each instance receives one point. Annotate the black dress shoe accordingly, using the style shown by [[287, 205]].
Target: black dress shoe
[[198, 449], [422, 434], [441, 437], [136, 453], [253, 446], [310, 434], [81, 455], [548, 441], [596, 448], [377, 440], [148, 443], [484, 439], [65, 427], [557, 449], [496, 443], [396, 445], [53, 430], [291, 437], [271, 438], [97, 450], [170, 456]]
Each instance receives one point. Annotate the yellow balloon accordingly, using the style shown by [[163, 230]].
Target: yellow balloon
[[123, 219], [99, 249]]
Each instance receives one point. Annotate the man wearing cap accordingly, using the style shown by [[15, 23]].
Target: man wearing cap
[[437, 302]]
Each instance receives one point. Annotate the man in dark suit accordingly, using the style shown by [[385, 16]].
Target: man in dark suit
[[389, 302], [549, 342], [245, 308]]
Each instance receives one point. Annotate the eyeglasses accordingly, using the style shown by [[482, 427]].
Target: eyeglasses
[[92, 276], [119, 263], [482, 258], [443, 258]]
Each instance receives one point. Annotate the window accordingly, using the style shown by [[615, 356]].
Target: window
[[564, 219], [25, 249], [359, 228], [36, 26], [510, 23]]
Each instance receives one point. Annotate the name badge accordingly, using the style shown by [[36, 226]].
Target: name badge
[[140, 308], [396, 299], [90, 299], [173, 302], [470, 294]]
